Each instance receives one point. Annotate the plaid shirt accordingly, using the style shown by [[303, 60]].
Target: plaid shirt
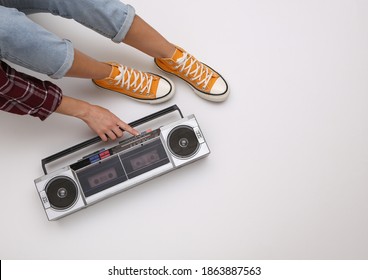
[[23, 94]]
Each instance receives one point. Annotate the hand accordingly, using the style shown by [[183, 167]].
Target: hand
[[99, 119], [106, 124]]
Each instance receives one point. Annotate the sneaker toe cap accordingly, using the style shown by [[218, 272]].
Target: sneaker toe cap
[[164, 88], [219, 87]]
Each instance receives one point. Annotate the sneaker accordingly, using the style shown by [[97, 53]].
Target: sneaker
[[140, 86], [205, 81]]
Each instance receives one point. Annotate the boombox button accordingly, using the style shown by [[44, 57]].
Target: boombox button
[[104, 154], [199, 135], [94, 158], [44, 199]]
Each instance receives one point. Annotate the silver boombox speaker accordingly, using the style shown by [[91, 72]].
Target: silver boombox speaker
[[111, 170]]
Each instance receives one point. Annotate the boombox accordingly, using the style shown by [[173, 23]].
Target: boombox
[[132, 161]]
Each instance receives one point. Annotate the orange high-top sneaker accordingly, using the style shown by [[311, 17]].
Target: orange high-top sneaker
[[138, 85], [205, 81]]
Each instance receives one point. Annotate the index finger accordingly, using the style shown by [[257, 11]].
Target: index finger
[[124, 126]]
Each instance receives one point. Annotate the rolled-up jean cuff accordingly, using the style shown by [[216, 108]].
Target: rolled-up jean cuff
[[126, 25], [68, 61]]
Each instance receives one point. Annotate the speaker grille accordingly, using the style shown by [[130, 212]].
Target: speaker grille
[[183, 142], [62, 192]]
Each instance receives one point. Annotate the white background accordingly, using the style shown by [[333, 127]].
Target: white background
[[287, 177]]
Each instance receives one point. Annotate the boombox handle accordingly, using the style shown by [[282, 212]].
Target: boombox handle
[[97, 139]]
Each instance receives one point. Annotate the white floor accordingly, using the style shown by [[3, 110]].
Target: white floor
[[287, 177]]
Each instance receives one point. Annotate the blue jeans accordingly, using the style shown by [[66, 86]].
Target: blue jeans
[[26, 43]]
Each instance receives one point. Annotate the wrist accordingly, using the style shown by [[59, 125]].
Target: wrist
[[83, 110], [74, 107]]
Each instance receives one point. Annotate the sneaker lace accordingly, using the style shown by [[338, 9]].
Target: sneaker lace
[[128, 78], [191, 67]]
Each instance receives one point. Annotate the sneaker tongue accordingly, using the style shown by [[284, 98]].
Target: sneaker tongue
[[114, 72], [177, 55]]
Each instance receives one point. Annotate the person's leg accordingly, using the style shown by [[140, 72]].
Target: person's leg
[[110, 18], [118, 22], [25, 43], [87, 67], [146, 39]]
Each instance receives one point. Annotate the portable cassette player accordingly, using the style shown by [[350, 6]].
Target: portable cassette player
[[111, 170]]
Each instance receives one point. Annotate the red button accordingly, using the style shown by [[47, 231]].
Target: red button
[[105, 154]]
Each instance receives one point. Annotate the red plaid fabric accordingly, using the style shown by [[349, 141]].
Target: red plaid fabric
[[23, 94]]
